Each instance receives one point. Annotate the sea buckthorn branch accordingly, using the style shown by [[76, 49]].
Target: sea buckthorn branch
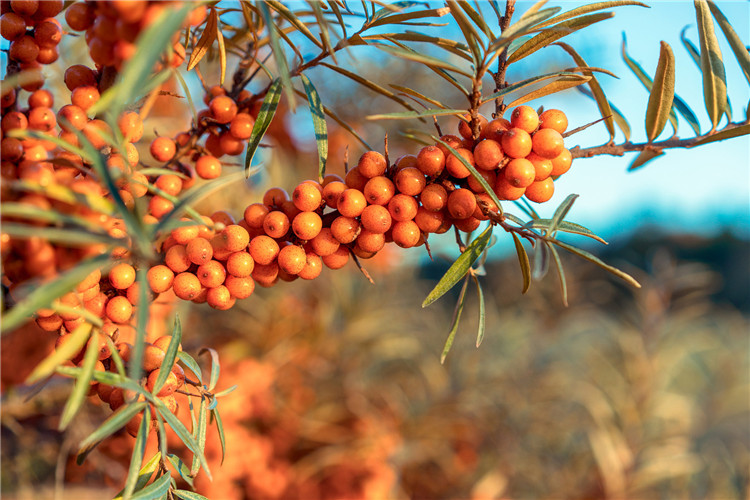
[[502, 62]]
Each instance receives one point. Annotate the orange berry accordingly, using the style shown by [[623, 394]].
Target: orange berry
[[376, 219], [169, 387], [561, 163], [241, 126], [452, 140], [547, 143], [379, 190], [307, 196], [467, 225], [307, 225], [345, 229], [266, 275], [465, 129], [332, 191], [494, 129], [47, 55], [240, 264], [486, 200], [186, 286], [119, 309], [160, 278], [24, 49], [276, 224], [525, 118], [42, 119], [428, 221], [410, 181], [351, 202], [292, 259], [488, 154], [461, 203], [96, 132], [506, 191], [79, 75], [430, 161], [230, 145], [199, 251], [324, 243], [488, 175], [222, 217], [406, 234], [159, 207], [554, 119], [275, 196], [355, 180], [540, 191], [372, 164], [12, 26], [131, 126], [455, 167], [263, 249], [177, 259], [223, 109], [434, 197], [211, 274], [85, 96], [80, 16], [41, 99], [313, 267], [337, 259], [169, 183], [122, 276], [542, 166], [255, 214], [520, 172], [234, 238], [403, 207], [516, 143], [163, 149], [220, 298], [240, 288], [370, 241]]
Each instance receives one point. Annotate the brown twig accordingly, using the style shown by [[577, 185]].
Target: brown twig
[[502, 60], [361, 268]]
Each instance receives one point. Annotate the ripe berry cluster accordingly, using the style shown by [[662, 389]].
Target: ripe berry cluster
[[287, 237]]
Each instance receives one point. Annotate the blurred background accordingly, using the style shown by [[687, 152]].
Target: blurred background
[[624, 394]]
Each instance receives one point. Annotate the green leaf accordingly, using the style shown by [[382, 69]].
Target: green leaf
[[555, 33], [144, 475], [477, 18], [191, 364], [225, 391], [644, 78], [601, 100], [525, 24], [188, 495], [179, 428], [418, 95], [644, 157], [215, 367], [529, 81], [618, 117], [115, 422], [423, 59], [45, 293], [563, 83], [222, 55], [262, 122], [560, 272], [155, 490], [301, 27], [319, 124], [468, 30], [712, 66], [11, 209], [324, 28], [205, 41], [135, 365], [523, 261], [136, 459], [200, 435], [591, 258], [690, 47], [725, 134], [82, 385], [739, 49], [220, 430], [662, 93], [169, 356], [452, 46], [541, 262], [408, 115], [564, 226], [590, 8], [150, 46], [481, 326], [278, 53], [561, 211], [460, 267], [181, 468], [399, 18], [66, 351], [454, 323], [67, 237]]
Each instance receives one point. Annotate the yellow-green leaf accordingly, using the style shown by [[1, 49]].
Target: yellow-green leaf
[[523, 261], [319, 123], [712, 66], [725, 134], [662, 93], [563, 83], [205, 41], [739, 49]]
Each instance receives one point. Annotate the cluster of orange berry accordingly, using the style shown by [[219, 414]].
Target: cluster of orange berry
[[113, 26], [34, 34], [287, 237], [227, 123]]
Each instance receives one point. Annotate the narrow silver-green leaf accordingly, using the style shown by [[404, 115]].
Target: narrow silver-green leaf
[[523, 261], [585, 9], [205, 41], [136, 458], [618, 117], [82, 385], [452, 46], [725, 134], [64, 237], [409, 115], [112, 424], [220, 430], [474, 173], [179, 428], [560, 272], [529, 81], [188, 495], [200, 435], [601, 100], [155, 490], [541, 262], [135, 364], [695, 54], [712, 66], [191, 364], [222, 54], [739, 49], [44, 294], [319, 123], [563, 83], [169, 356], [558, 31], [11, 209], [215, 367], [566, 227], [477, 18], [460, 267], [561, 211], [591, 258], [418, 95], [423, 59], [399, 18], [278, 53], [468, 30], [182, 469], [262, 122], [525, 24], [644, 157], [66, 351], [144, 475], [294, 20], [454, 323], [662, 93], [325, 35], [482, 319]]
